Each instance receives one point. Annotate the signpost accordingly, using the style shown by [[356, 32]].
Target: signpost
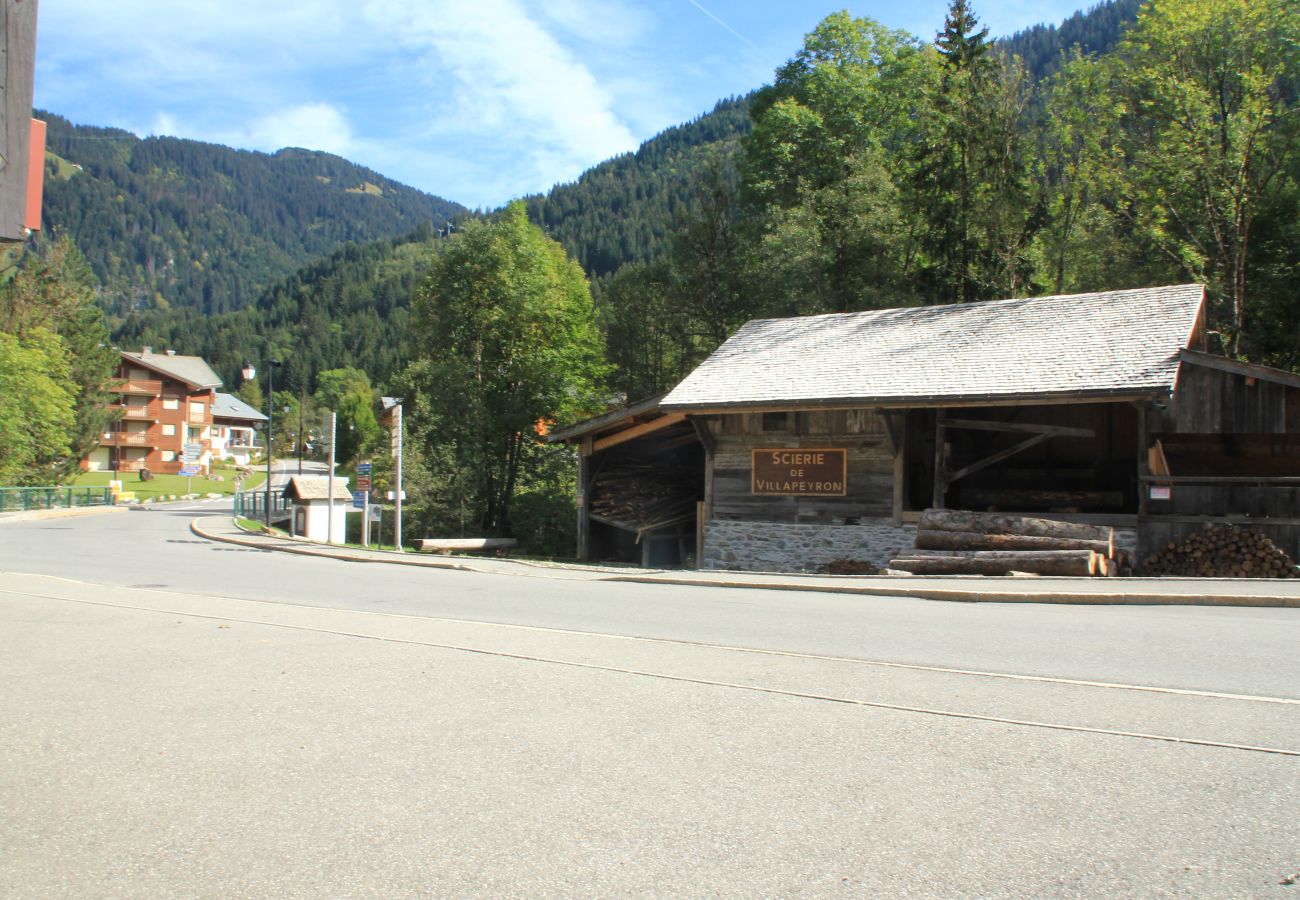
[[191, 451], [359, 499]]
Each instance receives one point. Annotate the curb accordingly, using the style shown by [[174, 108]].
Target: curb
[[320, 551], [955, 596], [64, 513], [916, 591]]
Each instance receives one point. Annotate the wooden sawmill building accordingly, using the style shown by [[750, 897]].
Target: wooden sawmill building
[[804, 440]]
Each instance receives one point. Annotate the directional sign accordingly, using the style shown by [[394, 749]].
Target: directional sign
[[363, 468], [359, 499], [363, 482], [189, 471]]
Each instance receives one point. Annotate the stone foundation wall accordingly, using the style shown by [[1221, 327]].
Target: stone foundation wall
[[786, 547]]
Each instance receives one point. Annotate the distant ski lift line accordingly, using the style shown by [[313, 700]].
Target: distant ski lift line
[[740, 37]]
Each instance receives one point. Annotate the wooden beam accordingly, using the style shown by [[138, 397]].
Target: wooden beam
[[632, 434], [1023, 427], [999, 456], [1223, 364], [706, 436]]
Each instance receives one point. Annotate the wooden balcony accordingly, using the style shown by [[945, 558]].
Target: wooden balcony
[[139, 387], [130, 439], [138, 413]]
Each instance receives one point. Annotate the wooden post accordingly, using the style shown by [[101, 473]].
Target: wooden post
[[1143, 464], [940, 460], [710, 445], [899, 435], [584, 487]]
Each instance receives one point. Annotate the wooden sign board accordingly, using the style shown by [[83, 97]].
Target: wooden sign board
[[800, 472]]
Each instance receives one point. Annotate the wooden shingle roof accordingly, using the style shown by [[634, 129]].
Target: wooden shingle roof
[[316, 487], [1111, 344]]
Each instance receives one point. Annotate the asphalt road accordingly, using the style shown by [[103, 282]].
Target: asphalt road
[[200, 719]]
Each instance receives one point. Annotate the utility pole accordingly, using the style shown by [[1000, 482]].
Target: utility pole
[[329, 516], [397, 443]]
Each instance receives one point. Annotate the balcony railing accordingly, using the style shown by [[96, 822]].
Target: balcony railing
[[139, 412], [131, 439], [139, 386]]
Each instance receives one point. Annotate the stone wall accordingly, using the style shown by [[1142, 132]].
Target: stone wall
[[787, 547]]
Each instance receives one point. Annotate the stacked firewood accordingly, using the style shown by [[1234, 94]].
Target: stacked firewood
[[1222, 551], [956, 542], [640, 497]]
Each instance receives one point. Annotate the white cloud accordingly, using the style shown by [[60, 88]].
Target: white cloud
[[313, 126], [511, 79]]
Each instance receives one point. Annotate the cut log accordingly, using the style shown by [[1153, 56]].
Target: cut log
[[997, 523], [998, 562], [969, 540]]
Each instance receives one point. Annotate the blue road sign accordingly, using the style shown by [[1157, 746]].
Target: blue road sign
[[363, 468], [189, 471], [359, 499]]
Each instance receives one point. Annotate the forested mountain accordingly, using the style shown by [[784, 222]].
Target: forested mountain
[[351, 309], [1093, 32], [625, 209], [167, 223]]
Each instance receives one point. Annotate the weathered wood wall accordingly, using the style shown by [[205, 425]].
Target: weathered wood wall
[[1210, 401], [862, 433]]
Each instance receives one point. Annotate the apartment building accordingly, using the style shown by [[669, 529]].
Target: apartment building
[[167, 402], [234, 430]]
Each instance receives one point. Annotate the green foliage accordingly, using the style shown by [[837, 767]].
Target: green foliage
[[1210, 133], [507, 340], [48, 309], [37, 407], [347, 393]]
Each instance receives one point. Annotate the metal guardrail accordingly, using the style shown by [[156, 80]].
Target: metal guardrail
[[252, 505], [13, 499]]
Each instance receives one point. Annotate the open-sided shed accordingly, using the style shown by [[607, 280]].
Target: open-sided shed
[[824, 437]]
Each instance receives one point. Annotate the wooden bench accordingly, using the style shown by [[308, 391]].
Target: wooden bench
[[464, 545]]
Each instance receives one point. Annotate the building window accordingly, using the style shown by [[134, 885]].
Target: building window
[[169, 456], [218, 432], [169, 430], [196, 410], [171, 403], [776, 421]]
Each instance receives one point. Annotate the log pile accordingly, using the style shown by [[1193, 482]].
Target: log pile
[[642, 497], [1222, 551], [956, 542]]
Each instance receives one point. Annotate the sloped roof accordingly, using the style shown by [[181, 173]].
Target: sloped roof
[[193, 370], [1115, 343], [228, 406], [316, 487]]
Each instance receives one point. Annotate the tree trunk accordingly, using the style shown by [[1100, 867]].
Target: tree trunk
[[996, 562], [996, 523], [959, 540]]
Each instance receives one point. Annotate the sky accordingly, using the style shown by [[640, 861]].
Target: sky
[[477, 101]]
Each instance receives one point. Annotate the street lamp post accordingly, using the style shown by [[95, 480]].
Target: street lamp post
[[250, 372]]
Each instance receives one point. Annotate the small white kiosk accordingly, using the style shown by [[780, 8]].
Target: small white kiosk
[[310, 496]]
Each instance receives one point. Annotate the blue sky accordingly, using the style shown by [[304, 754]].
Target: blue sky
[[478, 101]]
